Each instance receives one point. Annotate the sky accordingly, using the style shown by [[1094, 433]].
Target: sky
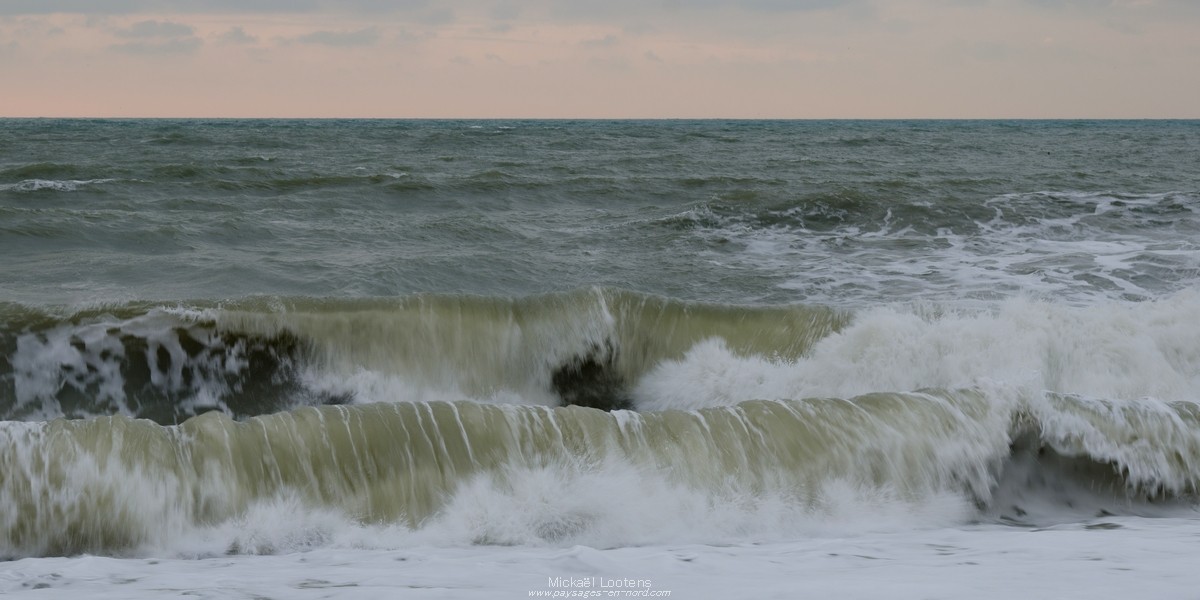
[[601, 58]]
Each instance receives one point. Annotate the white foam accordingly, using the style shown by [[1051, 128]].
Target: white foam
[[1079, 247], [78, 357], [608, 505], [87, 357], [365, 386], [616, 504], [1126, 558], [1116, 351], [58, 185]]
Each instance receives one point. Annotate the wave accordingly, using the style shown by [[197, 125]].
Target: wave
[[456, 472], [600, 348], [55, 185], [262, 355], [278, 424], [51, 171], [1070, 245]]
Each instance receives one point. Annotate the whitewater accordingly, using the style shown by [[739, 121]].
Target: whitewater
[[593, 359]]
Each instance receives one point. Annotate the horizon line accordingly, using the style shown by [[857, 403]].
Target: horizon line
[[527, 118]]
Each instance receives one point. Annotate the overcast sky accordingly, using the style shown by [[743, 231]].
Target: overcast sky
[[601, 58]]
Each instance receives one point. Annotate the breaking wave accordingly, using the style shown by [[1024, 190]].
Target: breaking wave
[[259, 356], [272, 424], [453, 472]]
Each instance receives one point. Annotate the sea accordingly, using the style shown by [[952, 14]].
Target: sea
[[301, 359]]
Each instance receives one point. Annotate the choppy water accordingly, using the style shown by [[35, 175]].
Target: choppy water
[[409, 326], [764, 212]]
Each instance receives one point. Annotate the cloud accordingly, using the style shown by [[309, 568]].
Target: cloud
[[436, 16], [42, 7], [184, 45], [405, 36], [237, 35], [154, 29], [119, 7], [424, 10], [341, 39], [607, 41], [986, 51], [778, 5], [1172, 9], [504, 11], [638, 8], [158, 38]]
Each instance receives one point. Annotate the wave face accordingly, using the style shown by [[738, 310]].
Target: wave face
[[117, 485], [253, 357], [439, 420], [600, 348]]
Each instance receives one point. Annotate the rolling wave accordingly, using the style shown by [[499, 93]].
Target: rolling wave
[[116, 485], [261, 355], [600, 348], [277, 424]]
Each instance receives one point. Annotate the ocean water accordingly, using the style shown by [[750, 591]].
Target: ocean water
[[695, 359]]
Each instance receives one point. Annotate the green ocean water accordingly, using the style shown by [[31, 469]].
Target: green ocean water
[[388, 324]]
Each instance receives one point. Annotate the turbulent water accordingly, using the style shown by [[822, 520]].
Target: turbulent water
[[249, 337]]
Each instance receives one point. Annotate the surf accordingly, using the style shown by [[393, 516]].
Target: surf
[[257, 356], [116, 485]]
